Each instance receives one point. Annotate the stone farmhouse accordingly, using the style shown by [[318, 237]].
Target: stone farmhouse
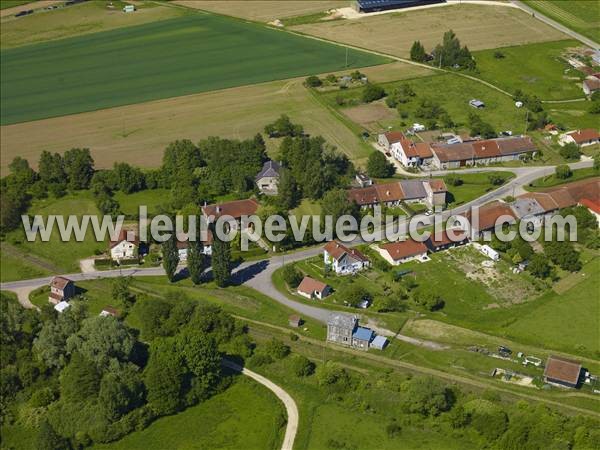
[[454, 155], [431, 192], [343, 260], [267, 179], [61, 290], [311, 288], [343, 329]]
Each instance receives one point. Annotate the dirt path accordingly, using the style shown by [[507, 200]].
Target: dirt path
[[290, 405]]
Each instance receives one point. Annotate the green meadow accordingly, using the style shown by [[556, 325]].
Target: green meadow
[[174, 57]]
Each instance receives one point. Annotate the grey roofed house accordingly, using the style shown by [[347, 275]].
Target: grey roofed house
[[413, 189], [341, 320], [269, 169], [526, 207]]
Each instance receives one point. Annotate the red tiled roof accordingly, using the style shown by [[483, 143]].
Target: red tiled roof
[[403, 249], [423, 150], [437, 185], [544, 199], [593, 84], [389, 192], [594, 205], [363, 196], [123, 236], [310, 285], [337, 250], [486, 149], [585, 135], [111, 311], [394, 136], [562, 369], [235, 209], [60, 282], [57, 297], [488, 214]]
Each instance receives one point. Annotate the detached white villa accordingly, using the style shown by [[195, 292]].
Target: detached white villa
[[343, 260], [125, 246]]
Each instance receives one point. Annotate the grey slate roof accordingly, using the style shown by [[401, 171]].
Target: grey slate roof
[[524, 207], [413, 189], [270, 169], [341, 320]]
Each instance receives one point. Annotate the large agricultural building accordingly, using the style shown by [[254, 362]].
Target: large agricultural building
[[367, 6]]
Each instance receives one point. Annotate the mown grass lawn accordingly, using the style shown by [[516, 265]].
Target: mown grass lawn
[[151, 198], [168, 58], [536, 69], [247, 415], [13, 268], [552, 180], [473, 185]]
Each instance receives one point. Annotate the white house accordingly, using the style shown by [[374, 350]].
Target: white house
[[61, 290], [311, 288], [183, 245], [400, 252], [125, 246], [386, 140], [343, 260]]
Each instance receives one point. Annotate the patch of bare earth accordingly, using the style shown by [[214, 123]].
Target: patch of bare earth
[[367, 114]]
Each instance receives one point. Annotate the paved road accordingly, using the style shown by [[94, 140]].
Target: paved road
[[290, 405], [555, 24]]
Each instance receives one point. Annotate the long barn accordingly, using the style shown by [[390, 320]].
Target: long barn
[[368, 6]]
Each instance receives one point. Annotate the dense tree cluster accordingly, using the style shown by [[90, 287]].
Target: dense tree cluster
[[379, 167], [449, 53], [80, 379]]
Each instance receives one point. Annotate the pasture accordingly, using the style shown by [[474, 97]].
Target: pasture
[[263, 10], [169, 58], [246, 415], [86, 18], [138, 134], [536, 69], [582, 16], [479, 27]]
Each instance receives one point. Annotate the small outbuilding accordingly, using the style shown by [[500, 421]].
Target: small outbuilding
[[379, 342], [108, 311], [562, 372], [478, 104], [62, 307], [361, 338], [295, 321], [311, 288]]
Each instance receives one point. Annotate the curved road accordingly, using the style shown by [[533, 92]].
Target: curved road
[[290, 405]]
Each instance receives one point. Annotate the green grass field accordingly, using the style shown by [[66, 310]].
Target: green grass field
[[473, 185], [13, 268], [551, 180], [582, 16], [152, 198], [246, 415], [534, 68], [195, 53], [5, 4]]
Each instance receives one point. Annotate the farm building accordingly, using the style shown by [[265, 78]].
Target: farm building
[[431, 192], [410, 154], [362, 180], [485, 218], [61, 290], [400, 252], [295, 321], [590, 85], [368, 6], [343, 260], [386, 140], [311, 288], [379, 342], [267, 179], [235, 210], [562, 372], [446, 239], [61, 307], [583, 138], [530, 209]]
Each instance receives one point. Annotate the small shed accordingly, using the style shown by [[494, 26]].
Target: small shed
[[361, 338], [476, 103], [295, 321], [379, 342], [109, 311]]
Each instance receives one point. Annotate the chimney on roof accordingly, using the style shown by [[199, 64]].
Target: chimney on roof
[[387, 193], [218, 209]]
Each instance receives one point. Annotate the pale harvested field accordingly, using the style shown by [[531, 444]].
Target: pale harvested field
[[33, 5], [264, 10], [367, 114], [77, 20], [139, 133], [479, 27]]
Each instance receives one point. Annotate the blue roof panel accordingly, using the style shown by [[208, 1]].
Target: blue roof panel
[[364, 334]]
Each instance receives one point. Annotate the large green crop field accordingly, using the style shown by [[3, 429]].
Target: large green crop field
[[582, 16], [195, 53]]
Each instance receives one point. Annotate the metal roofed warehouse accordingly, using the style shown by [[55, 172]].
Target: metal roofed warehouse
[[383, 5]]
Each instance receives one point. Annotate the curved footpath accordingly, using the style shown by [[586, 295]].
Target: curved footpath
[[290, 405]]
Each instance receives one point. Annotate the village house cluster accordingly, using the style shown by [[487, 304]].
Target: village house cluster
[[456, 152]]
